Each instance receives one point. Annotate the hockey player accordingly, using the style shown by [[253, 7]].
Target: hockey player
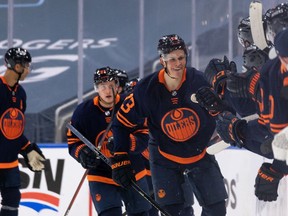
[[91, 118], [179, 133], [267, 90], [123, 80], [272, 119], [244, 33], [142, 148], [145, 154], [273, 116], [220, 74], [131, 84], [280, 54], [12, 139]]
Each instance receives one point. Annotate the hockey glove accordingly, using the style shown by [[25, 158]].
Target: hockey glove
[[229, 128], [122, 172], [266, 183], [208, 99], [244, 85], [33, 157], [215, 72], [88, 158]]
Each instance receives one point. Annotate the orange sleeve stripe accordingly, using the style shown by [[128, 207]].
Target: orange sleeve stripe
[[120, 153], [72, 140], [9, 165], [276, 128], [260, 121], [143, 131], [132, 143], [182, 160], [141, 174], [124, 121], [78, 150], [279, 126], [25, 146]]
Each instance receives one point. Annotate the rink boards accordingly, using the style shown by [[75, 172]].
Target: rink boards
[[50, 192]]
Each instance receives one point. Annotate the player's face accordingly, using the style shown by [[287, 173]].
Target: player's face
[[23, 69], [26, 71], [106, 91], [175, 63]]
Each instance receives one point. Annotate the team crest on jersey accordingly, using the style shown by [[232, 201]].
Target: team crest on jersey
[[104, 148], [12, 123], [180, 124]]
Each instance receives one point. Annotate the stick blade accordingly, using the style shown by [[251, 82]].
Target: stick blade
[[256, 22], [217, 147]]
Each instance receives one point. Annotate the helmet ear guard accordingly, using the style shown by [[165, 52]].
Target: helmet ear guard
[[15, 56]]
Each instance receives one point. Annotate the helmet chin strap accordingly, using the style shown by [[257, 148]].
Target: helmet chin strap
[[19, 75], [166, 71]]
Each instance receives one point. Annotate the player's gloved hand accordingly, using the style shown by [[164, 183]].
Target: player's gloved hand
[[208, 99], [216, 72], [266, 183], [244, 85], [88, 158], [229, 128], [280, 145], [122, 172], [33, 157]]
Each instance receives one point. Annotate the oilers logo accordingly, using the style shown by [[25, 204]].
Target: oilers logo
[[104, 148], [12, 123], [180, 124]]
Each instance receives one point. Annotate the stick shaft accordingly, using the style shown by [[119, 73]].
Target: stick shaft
[[76, 193], [106, 160]]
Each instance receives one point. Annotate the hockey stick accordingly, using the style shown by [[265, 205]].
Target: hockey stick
[[106, 160], [217, 147], [256, 23], [76, 193], [86, 172]]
